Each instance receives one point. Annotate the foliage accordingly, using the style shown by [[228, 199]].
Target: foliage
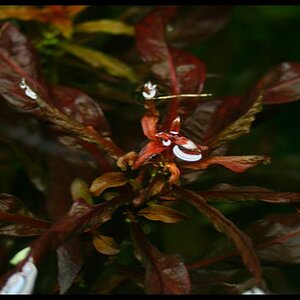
[[100, 193]]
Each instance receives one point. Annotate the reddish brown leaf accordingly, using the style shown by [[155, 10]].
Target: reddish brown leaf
[[227, 192], [105, 244], [182, 72], [107, 180], [70, 261], [158, 212], [17, 61], [281, 84], [149, 126], [234, 163], [80, 218], [198, 23], [148, 151], [17, 220], [17, 46], [80, 107], [221, 223], [277, 238], [165, 274]]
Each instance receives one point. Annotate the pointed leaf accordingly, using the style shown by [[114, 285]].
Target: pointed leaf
[[80, 189], [281, 84], [70, 261], [80, 107], [149, 126], [18, 62], [221, 223], [17, 220], [277, 238], [105, 244], [105, 26], [237, 127], [165, 274], [151, 149], [157, 212], [234, 163], [230, 193], [107, 180], [98, 59], [21, 51]]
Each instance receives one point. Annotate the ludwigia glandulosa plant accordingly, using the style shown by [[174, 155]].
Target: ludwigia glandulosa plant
[[186, 133]]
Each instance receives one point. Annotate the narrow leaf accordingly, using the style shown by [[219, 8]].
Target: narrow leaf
[[98, 59], [165, 274], [105, 244], [17, 220], [158, 212], [149, 126], [238, 127], [234, 163], [151, 149], [230, 193], [107, 180], [221, 223], [105, 26]]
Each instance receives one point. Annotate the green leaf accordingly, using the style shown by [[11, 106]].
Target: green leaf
[[98, 59], [105, 26]]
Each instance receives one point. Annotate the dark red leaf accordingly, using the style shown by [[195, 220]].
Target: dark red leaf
[[80, 107], [16, 46], [81, 217], [234, 163], [277, 238], [17, 220], [281, 84], [17, 61], [165, 274], [180, 71], [70, 261], [197, 23], [227, 192], [221, 223]]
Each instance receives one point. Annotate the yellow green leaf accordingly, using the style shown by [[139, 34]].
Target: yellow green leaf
[[100, 60], [80, 189], [105, 244], [105, 26], [107, 180], [157, 212]]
